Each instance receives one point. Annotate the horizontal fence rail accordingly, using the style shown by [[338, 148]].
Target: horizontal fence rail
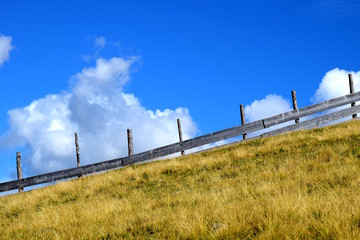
[[315, 121], [316, 108], [203, 140]]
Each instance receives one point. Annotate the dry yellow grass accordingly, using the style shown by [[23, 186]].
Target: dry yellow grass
[[296, 186]]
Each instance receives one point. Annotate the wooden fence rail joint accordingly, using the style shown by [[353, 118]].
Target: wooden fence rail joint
[[263, 123]]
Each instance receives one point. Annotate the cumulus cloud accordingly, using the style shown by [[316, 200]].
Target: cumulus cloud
[[100, 111], [267, 107], [5, 48], [334, 84]]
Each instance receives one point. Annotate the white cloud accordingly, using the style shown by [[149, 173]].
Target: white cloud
[[100, 111], [5, 48], [267, 107], [100, 41], [334, 84], [107, 77]]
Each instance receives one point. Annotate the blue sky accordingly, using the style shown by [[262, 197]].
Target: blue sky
[[193, 60]]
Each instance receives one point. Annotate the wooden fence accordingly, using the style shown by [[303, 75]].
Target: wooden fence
[[181, 146]]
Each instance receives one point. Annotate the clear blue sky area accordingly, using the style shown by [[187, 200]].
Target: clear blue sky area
[[207, 56]]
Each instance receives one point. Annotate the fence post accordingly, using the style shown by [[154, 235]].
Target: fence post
[[180, 134], [130, 142], [19, 170], [351, 85], [293, 96], [77, 151], [242, 116]]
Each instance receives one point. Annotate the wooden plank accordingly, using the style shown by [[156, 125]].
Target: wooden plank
[[306, 111], [194, 142], [315, 121], [293, 96], [136, 158], [242, 116], [61, 175], [120, 162]]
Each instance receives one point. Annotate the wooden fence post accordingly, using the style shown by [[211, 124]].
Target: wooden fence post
[[293, 96], [242, 116], [351, 85], [19, 170], [130, 142], [77, 150], [180, 134]]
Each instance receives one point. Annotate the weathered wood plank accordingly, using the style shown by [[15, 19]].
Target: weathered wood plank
[[136, 158], [194, 142], [61, 175], [315, 121], [306, 111]]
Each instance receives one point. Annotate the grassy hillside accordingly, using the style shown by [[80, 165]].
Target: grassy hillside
[[299, 185]]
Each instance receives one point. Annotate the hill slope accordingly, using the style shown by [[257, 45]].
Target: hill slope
[[299, 185]]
